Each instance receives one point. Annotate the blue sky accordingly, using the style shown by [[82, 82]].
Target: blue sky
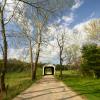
[[89, 9], [83, 11], [79, 13]]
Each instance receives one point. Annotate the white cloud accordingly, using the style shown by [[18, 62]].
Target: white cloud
[[17, 53], [77, 4], [68, 19], [58, 20], [51, 51], [10, 6], [80, 29], [14, 53], [92, 14], [80, 26], [50, 54]]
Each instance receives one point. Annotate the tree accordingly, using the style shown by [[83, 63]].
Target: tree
[[90, 60], [4, 46], [43, 9], [72, 52], [75, 54], [93, 29], [26, 33], [3, 22], [39, 20], [61, 44]]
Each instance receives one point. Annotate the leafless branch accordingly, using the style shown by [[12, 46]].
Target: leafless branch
[[2, 49], [35, 5], [4, 5], [12, 14]]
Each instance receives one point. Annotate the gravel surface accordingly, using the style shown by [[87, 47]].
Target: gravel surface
[[48, 88]]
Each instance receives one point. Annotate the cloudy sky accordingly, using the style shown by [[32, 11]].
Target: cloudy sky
[[81, 12]]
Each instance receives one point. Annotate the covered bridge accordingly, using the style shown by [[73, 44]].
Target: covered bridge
[[49, 69]]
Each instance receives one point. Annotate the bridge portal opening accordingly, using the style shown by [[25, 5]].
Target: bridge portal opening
[[49, 69]]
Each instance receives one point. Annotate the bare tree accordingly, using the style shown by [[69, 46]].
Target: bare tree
[[61, 43], [3, 22], [75, 55], [26, 33], [40, 25], [72, 49], [93, 29], [4, 47], [37, 5], [41, 10], [33, 37], [68, 57]]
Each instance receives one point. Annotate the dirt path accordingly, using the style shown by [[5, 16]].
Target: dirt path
[[48, 88]]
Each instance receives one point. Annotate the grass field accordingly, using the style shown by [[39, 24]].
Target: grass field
[[85, 86], [19, 81]]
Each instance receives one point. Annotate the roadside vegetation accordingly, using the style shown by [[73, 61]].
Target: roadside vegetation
[[34, 31], [90, 64], [87, 87], [18, 78], [85, 79]]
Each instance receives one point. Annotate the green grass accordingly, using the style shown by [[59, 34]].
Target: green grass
[[18, 82], [85, 86]]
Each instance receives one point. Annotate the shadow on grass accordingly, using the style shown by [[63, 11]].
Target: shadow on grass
[[16, 89], [84, 86], [66, 98]]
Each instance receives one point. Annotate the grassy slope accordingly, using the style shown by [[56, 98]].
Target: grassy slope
[[88, 87], [19, 81]]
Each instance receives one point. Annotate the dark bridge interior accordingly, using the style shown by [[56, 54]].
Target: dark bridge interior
[[49, 71]]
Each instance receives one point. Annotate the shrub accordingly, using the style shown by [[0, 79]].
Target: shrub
[[64, 67], [17, 65], [91, 60]]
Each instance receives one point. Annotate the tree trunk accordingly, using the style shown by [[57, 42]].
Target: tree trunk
[[4, 52], [36, 61], [1, 94], [37, 55], [60, 63], [31, 59]]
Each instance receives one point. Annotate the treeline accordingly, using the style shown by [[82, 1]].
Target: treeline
[[90, 64], [17, 65], [67, 67]]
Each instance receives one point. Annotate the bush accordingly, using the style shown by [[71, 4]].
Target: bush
[[64, 67], [15, 65], [91, 60]]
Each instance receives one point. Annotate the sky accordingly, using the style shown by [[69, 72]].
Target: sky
[[81, 12], [74, 18], [88, 9]]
